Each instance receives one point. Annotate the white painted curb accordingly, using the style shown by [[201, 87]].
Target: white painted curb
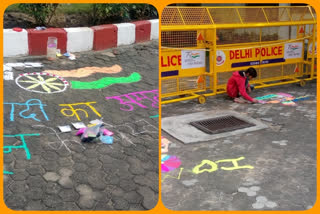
[[126, 33], [15, 43], [79, 39], [154, 29]]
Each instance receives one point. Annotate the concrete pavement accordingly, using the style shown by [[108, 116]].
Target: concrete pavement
[[46, 169], [268, 169]]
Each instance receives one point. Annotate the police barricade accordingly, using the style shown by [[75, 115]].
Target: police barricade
[[202, 46]]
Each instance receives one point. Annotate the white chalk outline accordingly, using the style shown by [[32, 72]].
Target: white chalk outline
[[65, 82]]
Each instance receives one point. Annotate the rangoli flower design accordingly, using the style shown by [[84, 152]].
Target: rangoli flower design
[[42, 82], [169, 163]]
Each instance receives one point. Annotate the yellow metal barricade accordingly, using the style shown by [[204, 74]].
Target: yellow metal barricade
[[202, 46]]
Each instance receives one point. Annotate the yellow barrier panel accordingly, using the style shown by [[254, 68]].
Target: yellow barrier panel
[[203, 46]]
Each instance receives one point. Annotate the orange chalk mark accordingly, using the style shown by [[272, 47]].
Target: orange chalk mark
[[86, 71]]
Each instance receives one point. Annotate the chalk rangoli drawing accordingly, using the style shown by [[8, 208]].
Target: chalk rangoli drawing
[[42, 82], [154, 116], [74, 111], [86, 71], [164, 145], [134, 98], [8, 75], [283, 98], [105, 82], [60, 142], [7, 172], [8, 149], [31, 102], [169, 163], [212, 167]]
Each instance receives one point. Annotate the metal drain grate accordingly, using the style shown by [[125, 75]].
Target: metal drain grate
[[221, 124]]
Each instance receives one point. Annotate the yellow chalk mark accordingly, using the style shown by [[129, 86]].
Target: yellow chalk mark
[[74, 111], [235, 164], [169, 176], [46, 88], [40, 78], [213, 165], [33, 86]]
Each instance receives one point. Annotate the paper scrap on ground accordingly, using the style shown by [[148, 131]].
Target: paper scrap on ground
[[7, 68], [7, 75], [86, 71], [65, 128], [26, 64], [105, 82], [96, 121], [78, 125]]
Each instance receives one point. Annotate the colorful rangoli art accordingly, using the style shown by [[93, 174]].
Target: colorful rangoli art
[[42, 82], [283, 98], [169, 163]]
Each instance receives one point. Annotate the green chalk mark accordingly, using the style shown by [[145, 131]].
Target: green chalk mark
[[265, 97], [7, 172], [105, 82], [154, 116]]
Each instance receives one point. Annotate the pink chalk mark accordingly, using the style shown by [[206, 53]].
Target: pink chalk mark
[[81, 131], [107, 132]]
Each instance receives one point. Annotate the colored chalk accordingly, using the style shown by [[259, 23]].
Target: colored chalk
[[107, 132], [105, 82]]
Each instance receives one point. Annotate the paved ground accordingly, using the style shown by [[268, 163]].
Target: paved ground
[[280, 161], [72, 175]]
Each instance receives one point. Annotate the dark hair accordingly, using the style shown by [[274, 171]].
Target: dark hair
[[252, 72]]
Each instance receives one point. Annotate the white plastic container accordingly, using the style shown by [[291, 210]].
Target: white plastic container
[[52, 45]]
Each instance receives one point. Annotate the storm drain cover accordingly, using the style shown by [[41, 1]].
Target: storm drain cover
[[221, 124], [209, 125]]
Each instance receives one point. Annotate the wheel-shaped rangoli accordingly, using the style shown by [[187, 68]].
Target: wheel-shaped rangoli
[[42, 82]]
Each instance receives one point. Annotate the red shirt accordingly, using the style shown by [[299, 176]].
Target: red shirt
[[237, 84]]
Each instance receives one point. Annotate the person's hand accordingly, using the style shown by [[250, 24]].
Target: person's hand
[[255, 101], [249, 89]]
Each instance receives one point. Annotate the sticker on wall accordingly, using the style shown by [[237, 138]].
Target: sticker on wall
[[221, 57], [293, 50], [193, 59], [310, 48]]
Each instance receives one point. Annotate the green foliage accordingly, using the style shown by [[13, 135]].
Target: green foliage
[[141, 11], [104, 13], [42, 13]]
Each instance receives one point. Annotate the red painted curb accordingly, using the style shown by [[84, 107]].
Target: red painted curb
[[37, 40], [143, 30], [105, 36]]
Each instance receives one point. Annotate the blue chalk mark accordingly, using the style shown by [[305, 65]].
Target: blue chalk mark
[[28, 104], [154, 116], [8, 149], [7, 172]]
